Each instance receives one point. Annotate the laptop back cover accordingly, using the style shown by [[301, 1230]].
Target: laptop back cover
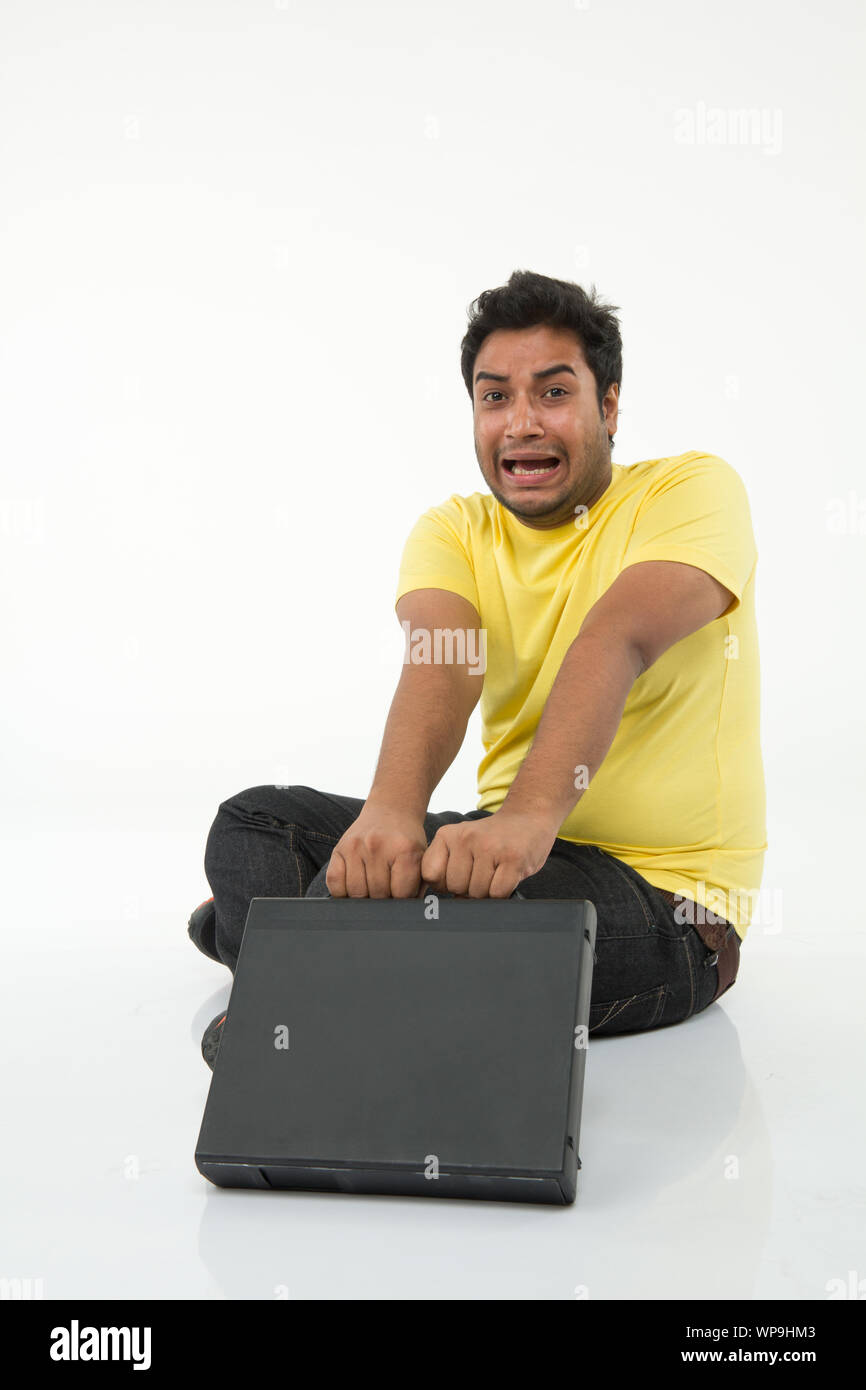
[[371, 1048]]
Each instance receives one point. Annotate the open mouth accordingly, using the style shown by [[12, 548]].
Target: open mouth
[[532, 469]]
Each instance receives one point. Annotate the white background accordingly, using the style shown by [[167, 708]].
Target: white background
[[239, 243]]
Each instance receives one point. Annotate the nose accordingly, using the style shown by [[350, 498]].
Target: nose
[[521, 421]]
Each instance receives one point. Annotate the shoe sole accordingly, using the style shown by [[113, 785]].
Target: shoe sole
[[202, 929], [210, 1043]]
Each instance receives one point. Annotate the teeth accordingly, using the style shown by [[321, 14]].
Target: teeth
[[521, 468]]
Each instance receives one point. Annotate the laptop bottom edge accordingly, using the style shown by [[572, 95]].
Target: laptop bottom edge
[[551, 1189]]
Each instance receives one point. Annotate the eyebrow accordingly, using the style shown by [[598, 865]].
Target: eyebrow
[[546, 371]]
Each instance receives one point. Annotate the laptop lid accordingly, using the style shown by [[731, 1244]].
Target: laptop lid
[[427, 1046]]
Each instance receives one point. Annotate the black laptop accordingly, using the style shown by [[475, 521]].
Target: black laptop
[[429, 1046]]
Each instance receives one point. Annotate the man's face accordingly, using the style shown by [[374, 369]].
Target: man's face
[[521, 407]]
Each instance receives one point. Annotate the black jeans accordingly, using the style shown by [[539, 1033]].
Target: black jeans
[[651, 970]]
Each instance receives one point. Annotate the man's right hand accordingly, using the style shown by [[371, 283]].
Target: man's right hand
[[378, 857]]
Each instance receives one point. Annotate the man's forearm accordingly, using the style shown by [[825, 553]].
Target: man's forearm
[[424, 732], [577, 726]]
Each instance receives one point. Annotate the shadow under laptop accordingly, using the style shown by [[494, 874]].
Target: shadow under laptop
[[673, 1200]]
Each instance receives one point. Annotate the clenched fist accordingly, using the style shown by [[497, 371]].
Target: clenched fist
[[378, 857], [487, 858]]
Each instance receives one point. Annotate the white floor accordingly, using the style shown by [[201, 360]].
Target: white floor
[[722, 1158]]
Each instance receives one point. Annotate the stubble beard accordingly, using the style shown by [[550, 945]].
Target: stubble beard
[[594, 468]]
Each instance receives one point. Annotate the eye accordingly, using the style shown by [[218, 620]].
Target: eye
[[561, 389]]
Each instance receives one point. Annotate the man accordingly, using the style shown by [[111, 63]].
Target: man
[[614, 611]]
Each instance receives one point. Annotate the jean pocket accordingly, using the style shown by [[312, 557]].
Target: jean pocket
[[629, 1015]]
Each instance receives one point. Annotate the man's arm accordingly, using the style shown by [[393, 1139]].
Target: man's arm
[[380, 854], [648, 608]]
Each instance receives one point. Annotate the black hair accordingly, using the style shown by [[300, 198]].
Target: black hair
[[529, 300]]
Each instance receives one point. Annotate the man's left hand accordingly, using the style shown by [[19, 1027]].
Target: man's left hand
[[487, 858]]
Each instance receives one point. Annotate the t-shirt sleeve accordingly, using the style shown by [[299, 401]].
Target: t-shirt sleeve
[[435, 557], [698, 514]]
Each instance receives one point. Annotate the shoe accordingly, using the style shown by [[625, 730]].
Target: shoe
[[210, 1043], [202, 929]]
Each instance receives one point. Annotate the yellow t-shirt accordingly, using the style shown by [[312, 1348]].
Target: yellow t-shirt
[[680, 795]]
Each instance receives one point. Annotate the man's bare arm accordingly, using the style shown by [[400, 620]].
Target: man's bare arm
[[649, 607], [380, 854]]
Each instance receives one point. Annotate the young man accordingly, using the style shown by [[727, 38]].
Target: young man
[[604, 616]]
